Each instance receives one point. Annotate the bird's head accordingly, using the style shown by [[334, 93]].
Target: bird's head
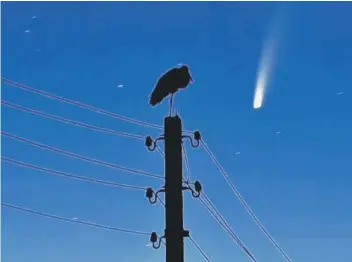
[[185, 70]]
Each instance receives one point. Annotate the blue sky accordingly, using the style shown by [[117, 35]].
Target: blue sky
[[297, 182]]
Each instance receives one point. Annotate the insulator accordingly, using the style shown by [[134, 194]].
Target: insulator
[[197, 135], [185, 233], [148, 141], [149, 193], [197, 186], [153, 237]]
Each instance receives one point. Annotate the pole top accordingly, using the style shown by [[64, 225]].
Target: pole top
[[172, 118]]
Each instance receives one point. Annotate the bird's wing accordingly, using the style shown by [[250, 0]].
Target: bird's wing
[[162, 88]]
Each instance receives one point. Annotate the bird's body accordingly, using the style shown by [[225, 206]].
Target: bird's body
[[169, 83]]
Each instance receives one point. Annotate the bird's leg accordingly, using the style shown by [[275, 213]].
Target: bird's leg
[[170, 105]]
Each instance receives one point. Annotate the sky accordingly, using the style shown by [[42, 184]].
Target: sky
[[293, 160]]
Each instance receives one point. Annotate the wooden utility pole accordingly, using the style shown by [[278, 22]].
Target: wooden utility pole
[[174, 187], [174, 232]]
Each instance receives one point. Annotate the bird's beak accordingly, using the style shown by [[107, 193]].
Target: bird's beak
[[190, 78]]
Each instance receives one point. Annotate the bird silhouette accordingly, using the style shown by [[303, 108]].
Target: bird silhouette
[[169, 83]]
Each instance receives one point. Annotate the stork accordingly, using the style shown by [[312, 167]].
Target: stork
[[169, 83]]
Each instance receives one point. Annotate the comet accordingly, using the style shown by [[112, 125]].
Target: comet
[[266, 63], [264, 72]]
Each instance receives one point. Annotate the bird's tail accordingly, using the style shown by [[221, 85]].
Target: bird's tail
[[155, 99]]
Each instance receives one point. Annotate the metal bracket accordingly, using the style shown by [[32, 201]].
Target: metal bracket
[[152, 144], [196, 190], [196, 136], [153, 196], [156, 241]]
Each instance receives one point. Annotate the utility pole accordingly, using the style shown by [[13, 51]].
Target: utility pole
[[174, 231], [174, 185]]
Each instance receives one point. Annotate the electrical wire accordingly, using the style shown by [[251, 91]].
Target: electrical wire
[[227, 228], [70, 175], [211, 208], [199, 249], [83, 105], [27, 210], [79, 104], [161, 201], [188, 170], [160, 151], [91, 108], [69, 121], [244, 203], [77, 156]]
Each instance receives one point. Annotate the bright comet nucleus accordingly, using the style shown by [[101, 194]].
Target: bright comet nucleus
[[258, 96]]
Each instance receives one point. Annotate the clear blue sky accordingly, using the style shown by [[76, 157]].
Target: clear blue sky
[[298, 182]]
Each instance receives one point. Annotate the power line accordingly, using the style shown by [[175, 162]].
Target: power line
[[159, 151], [74, 220], [114, 115], [244, 203], [226, 224], [227, 228], [73, 155], [79, 104], [83, 105], [220, 219], [199, 249], [188, 170], [69, 121], [70, 175]]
